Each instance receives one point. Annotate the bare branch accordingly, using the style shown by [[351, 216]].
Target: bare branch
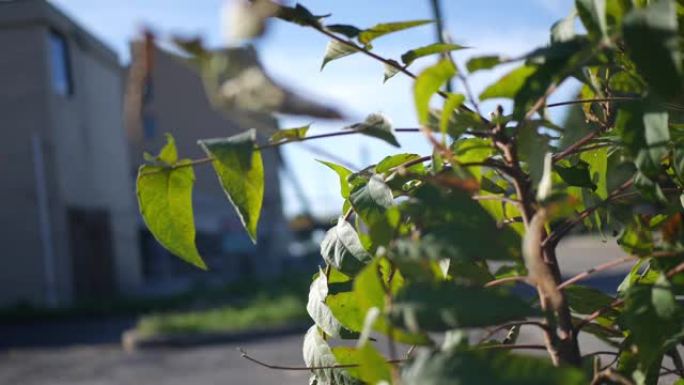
[[595, 269], [285, 367]]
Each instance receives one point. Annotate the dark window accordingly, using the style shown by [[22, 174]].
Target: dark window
[[60, 65]]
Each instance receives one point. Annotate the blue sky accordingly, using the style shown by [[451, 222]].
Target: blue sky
[[293, 54]]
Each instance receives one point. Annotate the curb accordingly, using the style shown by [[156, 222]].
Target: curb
[[131, 340]]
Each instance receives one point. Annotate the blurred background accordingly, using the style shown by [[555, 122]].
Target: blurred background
[[86, 293]]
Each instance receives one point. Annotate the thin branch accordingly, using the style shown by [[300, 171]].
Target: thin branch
[[205, 160], [575, 146], [511, 347], [308, 368], [387, 62], [509, 325], [595, 269], [496, 198], [611, 376], [501, 281], [592, 100], [559, 233]]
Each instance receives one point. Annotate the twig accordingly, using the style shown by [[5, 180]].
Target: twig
[[595, 269], [511, 347], [509, 325], [501, 281], [572, 148], [592, 100], [559, 233], [387, 62], [612, 376], [285, 367], [496, 198]]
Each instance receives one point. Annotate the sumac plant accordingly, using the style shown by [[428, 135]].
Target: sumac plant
[[426, 266]]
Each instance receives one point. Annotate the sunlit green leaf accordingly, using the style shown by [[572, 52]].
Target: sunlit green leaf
[[165, 201], [377, 126], [452, 103], [509, 85], [241, 172], [343, 173], [342, 248], [370, 34], [409, 56], [428, 83], [483, 63], [288, 134], [593, 16], [317, 353], [335, 50]]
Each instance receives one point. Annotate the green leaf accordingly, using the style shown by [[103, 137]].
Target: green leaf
[[371, 197], [577, 175], [597, 160], [586, 300], [347, 30], [373, 367], [657, 133], [481, 367], [335, 50], [299, 15], [342, 249], [317, 353], [390, 70], [169, 153], [390, 162], [483, 63], [165, 201], [377, 126], [428, 83], [509, 85], [532, 149], [241, 173], [564, 29], [453, 102], [447, 305], [453, 217], [593, 16], [651, 35], [410, 56], [652, 317], [343, 173], [289, 134], [319, 311], [370, 34]]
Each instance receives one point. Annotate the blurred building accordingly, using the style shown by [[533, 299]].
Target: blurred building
[[67, 216], [70, 228], [174, 101]]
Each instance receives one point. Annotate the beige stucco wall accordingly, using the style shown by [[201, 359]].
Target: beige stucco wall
[[84, 148]]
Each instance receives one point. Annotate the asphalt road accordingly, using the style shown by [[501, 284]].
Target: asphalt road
[[109, 365]]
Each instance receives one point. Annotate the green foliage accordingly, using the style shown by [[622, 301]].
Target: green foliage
[[165, 200], [370, 34], [288, 134], [241, 172], [409, 56], [429, 245], [428, 83]]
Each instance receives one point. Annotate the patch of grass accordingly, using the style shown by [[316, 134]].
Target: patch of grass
[[263, 312], [236, 294]]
